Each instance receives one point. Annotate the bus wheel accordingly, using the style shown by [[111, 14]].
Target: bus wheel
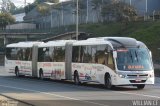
[[76, 78], [140, 86], [17, 72], [41, 74], [108, 83]]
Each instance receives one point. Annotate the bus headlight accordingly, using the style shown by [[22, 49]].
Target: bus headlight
[[122, 76], [151, 75]]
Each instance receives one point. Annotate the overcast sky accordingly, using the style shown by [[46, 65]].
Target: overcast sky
[[21, 2]]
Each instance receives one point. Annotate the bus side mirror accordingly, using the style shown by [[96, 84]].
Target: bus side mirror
[[114, 54], [150, 53]]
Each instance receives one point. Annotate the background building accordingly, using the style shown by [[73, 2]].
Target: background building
[[64, 13]]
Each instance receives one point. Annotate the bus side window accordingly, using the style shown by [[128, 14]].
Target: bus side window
[[27, 54], [110, 61], [59, 54], [87, 56], [80, 54], [30, 54], [93, 52], [40, 55], [75, 53], [13, 54], [8, 53], [100, 54], [51, 53], [19, 54], [47, 56]]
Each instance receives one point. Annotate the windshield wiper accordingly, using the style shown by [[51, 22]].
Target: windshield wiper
[[136, 56], [131, 56]]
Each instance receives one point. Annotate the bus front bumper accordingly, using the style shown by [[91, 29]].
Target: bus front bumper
[[132, 81]]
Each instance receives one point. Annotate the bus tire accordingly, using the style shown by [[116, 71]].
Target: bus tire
[[41, 74], [76, 78], [141, 86], [108, 82], [17, 71]]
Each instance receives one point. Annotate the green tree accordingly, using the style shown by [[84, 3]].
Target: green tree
[[5, 19], [29, 7], [37, 3], [119, 11], [8, 6], [96, 6], [12, 6], [43, 9]]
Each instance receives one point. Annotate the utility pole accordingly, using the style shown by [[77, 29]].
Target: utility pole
[[24, 3], [62, 14], [146, 6], [25, 6], [154, 15], [77, 22], [51, 17], [146, 16], [87, 13], [130, 2]]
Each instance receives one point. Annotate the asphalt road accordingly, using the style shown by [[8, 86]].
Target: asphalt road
[[32, 91]]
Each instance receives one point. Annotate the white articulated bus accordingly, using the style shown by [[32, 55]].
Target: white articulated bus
[[111, 61]]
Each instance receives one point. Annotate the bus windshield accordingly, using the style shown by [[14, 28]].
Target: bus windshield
[[133, 59]]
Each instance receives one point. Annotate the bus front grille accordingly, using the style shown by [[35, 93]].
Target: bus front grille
[[137, 75]]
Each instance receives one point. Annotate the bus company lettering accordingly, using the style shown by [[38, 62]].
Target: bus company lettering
[[47, 65], [27, 64], [57, 73], [76, 66], [135, 67], [57, 65], [25, 67], [88, 68], [98, 68], [18, 63]]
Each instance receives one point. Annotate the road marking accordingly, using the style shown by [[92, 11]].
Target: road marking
[[66, 97], [151, 96]]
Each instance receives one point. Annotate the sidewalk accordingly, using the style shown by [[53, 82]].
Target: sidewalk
[[7, 102]]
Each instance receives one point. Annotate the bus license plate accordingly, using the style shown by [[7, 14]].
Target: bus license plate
[[138, 80]]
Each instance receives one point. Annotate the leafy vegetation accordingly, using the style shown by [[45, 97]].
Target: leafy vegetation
[[5, 19], [111, 10], [7, 6], [41, 8]]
